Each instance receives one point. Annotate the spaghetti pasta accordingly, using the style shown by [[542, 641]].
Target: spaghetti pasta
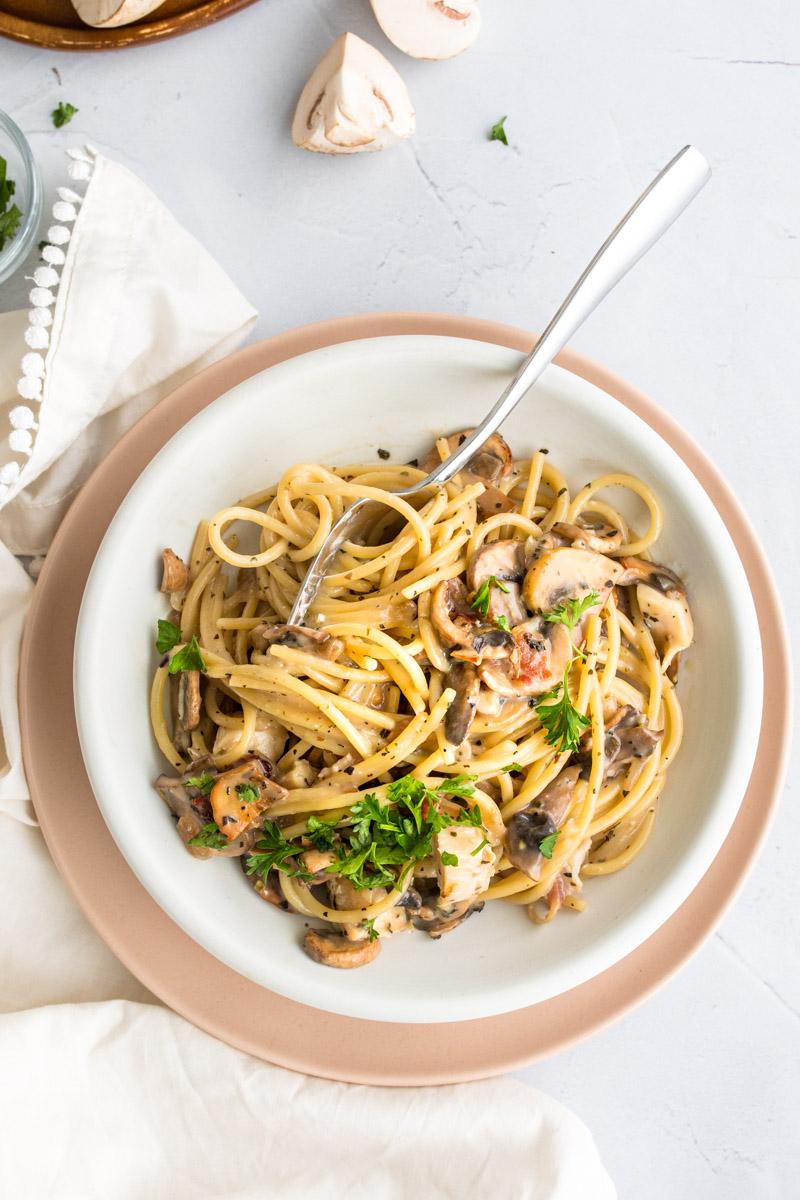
[[482, 707]]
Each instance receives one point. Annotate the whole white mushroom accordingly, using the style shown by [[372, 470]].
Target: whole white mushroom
[[353, 101], [429, 28]]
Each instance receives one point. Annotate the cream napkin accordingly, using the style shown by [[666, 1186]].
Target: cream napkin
[[105, 1093]]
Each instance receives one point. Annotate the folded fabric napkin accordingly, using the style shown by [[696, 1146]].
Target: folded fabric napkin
[[105, 1093]]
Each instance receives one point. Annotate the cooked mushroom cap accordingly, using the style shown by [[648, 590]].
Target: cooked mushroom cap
[[589, 533], [436, 920], [429, 28], [354, 101], [463, 677], [566, 573], [336, 950], [108, 14], [541, 654], [539, 820], [175, 573], [298, 637], [241, 795], [506, 560]]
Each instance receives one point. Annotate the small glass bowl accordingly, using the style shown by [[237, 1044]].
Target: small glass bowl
[[28, 196]]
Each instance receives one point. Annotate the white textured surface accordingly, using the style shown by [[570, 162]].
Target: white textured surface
[[695, 1094]]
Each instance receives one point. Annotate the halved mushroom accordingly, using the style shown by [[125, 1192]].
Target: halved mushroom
[[266, 742], [662, 599], [566, 573], [463, 677], [488, 465], [109, 14], [429, 28], [174, 572], [505, 561], [541, 819], [590, 533], [353, 101], [336, 950], [434, 919], [541, 653], [298, 637], [242, 795], [452, 617], [471, 873]]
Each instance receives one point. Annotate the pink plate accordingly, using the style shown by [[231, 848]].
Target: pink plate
[[212, 995]]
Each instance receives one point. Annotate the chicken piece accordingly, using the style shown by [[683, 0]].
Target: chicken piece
[[471, 873]]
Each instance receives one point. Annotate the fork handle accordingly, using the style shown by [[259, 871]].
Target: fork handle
[[641, 227]]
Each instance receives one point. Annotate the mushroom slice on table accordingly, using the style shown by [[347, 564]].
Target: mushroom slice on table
[[527, 829], [590, 533], [538, 662], [566, 573], [429, 28], [337, 950], [109, 14], [665, 609], [353, 101], [488, 465], [241, 796]]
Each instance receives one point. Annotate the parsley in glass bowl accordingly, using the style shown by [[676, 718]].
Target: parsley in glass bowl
[[20, 197]]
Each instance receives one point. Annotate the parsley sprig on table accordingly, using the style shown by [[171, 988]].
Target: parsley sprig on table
[[480, 601], [10, 216], [562, 722], [498, 131], [63, 113]]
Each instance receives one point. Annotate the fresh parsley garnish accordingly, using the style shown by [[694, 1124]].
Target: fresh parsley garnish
[[480, 601], [41, 245], [478, 849], [569, 612], [204, 783], [562, 722], [9, 217], [210, 837], [372, 932], [322, 834], [448, 859], [457, 785], [273, 851], [547, 844], [63, 114], [168, 636], [498, 132], [188, 658], [513, 767], [247, 793], [502, 623]]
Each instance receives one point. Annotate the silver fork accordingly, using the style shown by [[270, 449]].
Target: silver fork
[[659, 205]]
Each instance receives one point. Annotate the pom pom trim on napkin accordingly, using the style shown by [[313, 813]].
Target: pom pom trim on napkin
[[43, 297]]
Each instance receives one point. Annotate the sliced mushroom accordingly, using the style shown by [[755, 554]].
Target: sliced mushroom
[[353, 101], [470, 875], [541, 654], [463, 677], [317, 862], [193, 811], [506, 561], [452, 617], [566, 573], [298, 637], [336, 950], [268, 889], [109, 14], [266, 742], [527, 829], [241, 796], [435, 920], [429, 28], [590, 533], [491, 463], [174, 574], [184, 705], [665, 609]]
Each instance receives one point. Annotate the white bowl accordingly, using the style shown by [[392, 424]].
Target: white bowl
[[339, 405]]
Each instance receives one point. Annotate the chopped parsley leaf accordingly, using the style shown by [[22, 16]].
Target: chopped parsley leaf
[[569, 612], [210, 837], [480, 601], [204, 783], [547, 845], [502, 623], [322, 834], [562, 722], [448, 859], [168, 636], [372, 932], [247, 793], [63, 114], [273, 851], [498, 131], [188, 658], [515, 766]]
